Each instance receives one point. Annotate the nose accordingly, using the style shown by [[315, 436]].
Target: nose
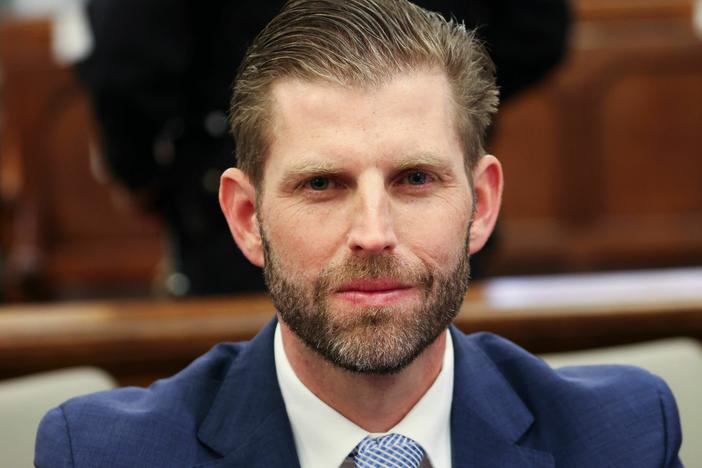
[[372, 227]]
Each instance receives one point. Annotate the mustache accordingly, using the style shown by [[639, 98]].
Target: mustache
[[374, 267]]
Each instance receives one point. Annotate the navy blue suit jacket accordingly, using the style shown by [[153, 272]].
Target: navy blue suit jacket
[[509, 410]]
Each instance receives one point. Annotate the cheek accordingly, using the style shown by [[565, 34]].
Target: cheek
[[438, 234], [305, 239], [439, 246]]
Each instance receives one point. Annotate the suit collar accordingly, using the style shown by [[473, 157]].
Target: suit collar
[[487, 417], [247, 423]]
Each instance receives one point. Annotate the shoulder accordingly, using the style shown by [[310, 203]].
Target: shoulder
[[532, 377], [608, 408], [109, 428]]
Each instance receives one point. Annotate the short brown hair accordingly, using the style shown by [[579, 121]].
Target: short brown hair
[[359, 43]]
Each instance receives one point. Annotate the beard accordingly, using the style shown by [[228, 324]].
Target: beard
[[369, 340]]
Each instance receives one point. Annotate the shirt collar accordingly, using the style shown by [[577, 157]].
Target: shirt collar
[[324, 437]]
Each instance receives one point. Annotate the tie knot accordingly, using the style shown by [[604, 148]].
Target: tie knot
[[388, 451]]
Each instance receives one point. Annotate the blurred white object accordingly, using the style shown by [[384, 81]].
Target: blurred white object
[[25, 400], [36, 8], [697, 18], [670, 285], [678, 361], [72, 39]]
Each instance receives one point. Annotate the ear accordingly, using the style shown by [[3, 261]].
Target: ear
[[237, 198], [487, 186]]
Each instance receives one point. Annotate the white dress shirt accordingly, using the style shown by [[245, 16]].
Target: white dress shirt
[[324, 438]]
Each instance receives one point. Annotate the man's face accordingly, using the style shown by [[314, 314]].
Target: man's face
[[364, 215]]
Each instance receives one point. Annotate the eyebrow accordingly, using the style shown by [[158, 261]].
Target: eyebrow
[[423, 160], [305, 169]]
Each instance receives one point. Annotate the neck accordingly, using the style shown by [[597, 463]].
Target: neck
[[372, 401]]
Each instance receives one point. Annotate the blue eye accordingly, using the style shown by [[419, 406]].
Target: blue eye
[[318, 183], [417, 178]]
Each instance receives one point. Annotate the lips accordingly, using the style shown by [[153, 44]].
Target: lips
[[373, 286], [374, 293]]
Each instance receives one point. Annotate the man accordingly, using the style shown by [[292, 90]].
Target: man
[[362, 188], [159, 80]]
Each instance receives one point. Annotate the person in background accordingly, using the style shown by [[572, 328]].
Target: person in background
[[362, 189], [159, 77]]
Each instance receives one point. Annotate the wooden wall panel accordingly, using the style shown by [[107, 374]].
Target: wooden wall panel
[[603, 161], [652, 135], [613, 9], [67, 237], [527, 155]]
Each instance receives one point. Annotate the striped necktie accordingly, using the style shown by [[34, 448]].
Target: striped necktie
[[388, 451]]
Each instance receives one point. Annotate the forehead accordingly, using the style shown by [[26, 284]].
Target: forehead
[[327, 123]]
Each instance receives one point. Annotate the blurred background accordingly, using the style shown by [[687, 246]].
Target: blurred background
[[113, 134], [113, 137]]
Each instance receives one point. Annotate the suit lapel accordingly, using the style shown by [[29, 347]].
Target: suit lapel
[[487, 417], [247, 423]]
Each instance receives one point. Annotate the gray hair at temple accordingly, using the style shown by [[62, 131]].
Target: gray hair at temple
[[359, 43]]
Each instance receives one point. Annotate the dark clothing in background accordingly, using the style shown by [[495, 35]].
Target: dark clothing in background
[[160, 81]]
